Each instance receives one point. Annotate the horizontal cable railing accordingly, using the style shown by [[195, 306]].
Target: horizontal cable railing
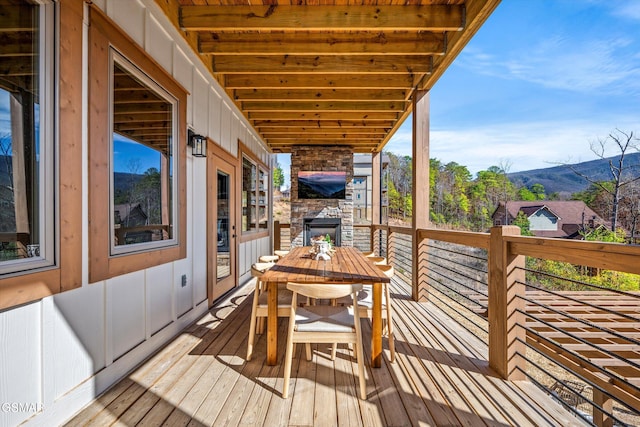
[[589, 334], [362, 237]]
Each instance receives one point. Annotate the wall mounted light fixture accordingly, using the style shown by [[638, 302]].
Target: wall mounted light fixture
[[198, 144]]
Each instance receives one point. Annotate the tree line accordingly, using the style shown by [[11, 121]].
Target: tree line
[[462, 201]]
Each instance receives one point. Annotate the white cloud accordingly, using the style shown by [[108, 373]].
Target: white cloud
[[524, 146], [565, 63]]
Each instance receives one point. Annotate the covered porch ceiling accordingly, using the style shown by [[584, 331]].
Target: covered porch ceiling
[[333, 72]]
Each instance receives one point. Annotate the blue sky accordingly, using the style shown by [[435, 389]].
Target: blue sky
[[539, 82]]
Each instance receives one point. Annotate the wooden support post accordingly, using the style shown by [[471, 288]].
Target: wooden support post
[[506, 318], [420, 213], [277, 236], [376, 194], [600, 418]]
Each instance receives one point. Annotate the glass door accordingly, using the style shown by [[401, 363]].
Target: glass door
[[222, 230]]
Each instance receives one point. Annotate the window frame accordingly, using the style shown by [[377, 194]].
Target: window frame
[[46, 172], [103, 36], [64, 131], [257, 231], [115, 57]]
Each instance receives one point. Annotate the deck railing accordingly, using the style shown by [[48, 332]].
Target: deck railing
[[541, 306]]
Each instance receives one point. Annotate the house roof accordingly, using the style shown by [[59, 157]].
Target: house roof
[[569, 211], [571, 214], [331, 72]]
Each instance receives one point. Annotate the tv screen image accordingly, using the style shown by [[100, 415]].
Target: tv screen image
[[322, 185]]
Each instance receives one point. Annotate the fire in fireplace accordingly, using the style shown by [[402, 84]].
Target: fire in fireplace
[[313, 227]]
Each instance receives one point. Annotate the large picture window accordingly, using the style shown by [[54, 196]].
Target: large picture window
[[142, 182], [26, 139], [137, 156]]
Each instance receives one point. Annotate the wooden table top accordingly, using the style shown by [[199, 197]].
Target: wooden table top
[[347, 265]]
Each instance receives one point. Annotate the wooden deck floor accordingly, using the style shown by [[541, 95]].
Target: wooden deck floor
[[440, 378]]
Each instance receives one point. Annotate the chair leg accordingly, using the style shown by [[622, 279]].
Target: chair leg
[[392, 346], [360, 361], [252, 325], [288, 358], [307, 348]]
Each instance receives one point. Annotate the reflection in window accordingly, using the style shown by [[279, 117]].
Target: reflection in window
[[26, 156], [249, 173], [142, 163], [263, 198]]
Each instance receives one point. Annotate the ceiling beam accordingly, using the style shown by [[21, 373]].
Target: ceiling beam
[[310, 43], [312, 135], [322, 115], [344, 106], [297, 130], [320, 94], [320, 81], [324, 124], [346, 64], [354, 17]]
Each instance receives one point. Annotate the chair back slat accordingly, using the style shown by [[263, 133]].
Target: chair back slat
[[323, 290]]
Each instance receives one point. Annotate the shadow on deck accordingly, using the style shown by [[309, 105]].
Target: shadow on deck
[[441, 377]]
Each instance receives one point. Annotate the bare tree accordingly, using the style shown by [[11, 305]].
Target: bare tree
[[621, 175]]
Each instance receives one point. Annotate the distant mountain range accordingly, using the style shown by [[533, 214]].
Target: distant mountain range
[[562, 180]]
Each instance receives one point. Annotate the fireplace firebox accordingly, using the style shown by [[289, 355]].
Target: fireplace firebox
[[313, 227]]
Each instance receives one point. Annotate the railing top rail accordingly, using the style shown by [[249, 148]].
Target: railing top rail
[[467, 238], [608, 256]]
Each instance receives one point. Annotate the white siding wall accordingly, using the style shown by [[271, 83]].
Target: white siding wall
[[60, 353]]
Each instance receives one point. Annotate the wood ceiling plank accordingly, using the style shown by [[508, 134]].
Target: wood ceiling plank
[[16, 43], [323, 136], [321, 81], [325, 124], [346, 64], [15, 19], [321, 94], [321, 43], [345, 106], [322, 115], [139, 117], [378, 132], [284, 17]]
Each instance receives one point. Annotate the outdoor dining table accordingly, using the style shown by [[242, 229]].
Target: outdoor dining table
[[347, 265]]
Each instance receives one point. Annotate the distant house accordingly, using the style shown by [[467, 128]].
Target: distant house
[[130, 215], [557, 219]]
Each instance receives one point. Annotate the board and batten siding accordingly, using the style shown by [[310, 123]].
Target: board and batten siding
[[59, 353]]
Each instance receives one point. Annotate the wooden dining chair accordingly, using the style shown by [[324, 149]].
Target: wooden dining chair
[[268, 258], [280, 253], [323, 324], [365, 307], [259, 309]]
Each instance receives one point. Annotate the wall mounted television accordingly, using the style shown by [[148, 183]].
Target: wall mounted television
[[322, 185]]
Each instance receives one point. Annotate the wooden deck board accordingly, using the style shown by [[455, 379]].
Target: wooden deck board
[[441, 377]]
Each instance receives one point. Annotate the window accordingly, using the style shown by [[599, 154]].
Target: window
[[40, 129], [142, 182], [27, 151], [255, 196], [137, 180]]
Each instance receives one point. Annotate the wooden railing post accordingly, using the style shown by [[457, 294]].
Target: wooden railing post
[[602, 419], [506, 318], [277, 236]]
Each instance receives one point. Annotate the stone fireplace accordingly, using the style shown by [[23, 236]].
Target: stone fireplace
[[322, 212]]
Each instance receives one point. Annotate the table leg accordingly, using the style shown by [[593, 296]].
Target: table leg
[[376, 327], [272, 324]]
